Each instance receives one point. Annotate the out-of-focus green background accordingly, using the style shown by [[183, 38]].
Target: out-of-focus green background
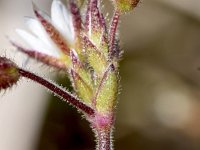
[[159, 105]]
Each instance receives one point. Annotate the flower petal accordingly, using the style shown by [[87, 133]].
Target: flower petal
[[54, 35], [42, 13], [62, 20], [36, 43], [37, 29], [46, 59]]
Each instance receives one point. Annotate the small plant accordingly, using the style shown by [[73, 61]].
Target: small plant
[[85, 48]]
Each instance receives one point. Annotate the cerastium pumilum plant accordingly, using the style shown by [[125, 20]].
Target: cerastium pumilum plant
[[85, 48]]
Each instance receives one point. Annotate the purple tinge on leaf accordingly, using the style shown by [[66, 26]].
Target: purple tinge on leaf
[[9, 73]]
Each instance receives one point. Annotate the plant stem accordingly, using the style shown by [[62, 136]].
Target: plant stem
[[58, 91], [104, 138]]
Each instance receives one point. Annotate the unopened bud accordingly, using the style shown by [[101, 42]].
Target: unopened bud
[[125, 5], [9, 73]]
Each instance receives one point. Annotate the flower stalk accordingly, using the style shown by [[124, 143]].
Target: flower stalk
[[86, 49], [66, 96]]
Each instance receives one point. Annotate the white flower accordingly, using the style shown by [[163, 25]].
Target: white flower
[[62, 20], [40, 40]]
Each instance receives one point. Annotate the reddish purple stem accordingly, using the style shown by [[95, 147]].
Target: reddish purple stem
[[104, 139], [60, 92]]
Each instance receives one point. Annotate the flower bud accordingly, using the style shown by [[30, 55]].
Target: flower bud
[[9, 73], [125, 5]]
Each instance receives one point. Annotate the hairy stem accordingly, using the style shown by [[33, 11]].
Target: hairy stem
[[104, 138], [58, 91]]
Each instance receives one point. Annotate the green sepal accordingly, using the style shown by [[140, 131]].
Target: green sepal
[[96, 58], [82, 79], [107, 93], [95, 38], [97, 61], [81, 69], [86, 76], [125, 6], [104, 46], [84, 91]]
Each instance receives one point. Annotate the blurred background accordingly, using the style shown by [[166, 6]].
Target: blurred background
[[159, 107]]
